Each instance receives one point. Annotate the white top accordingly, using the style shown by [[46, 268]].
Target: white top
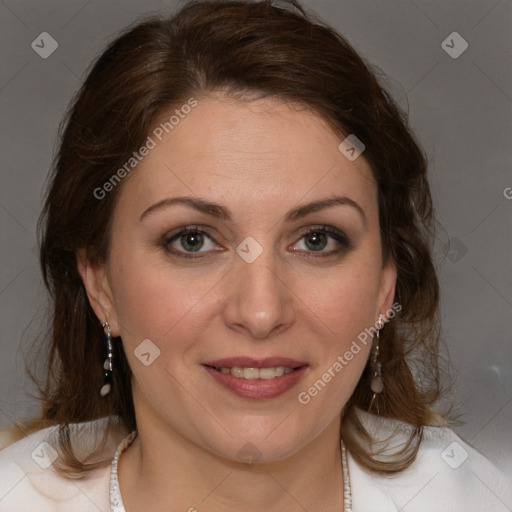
[[448, 475]]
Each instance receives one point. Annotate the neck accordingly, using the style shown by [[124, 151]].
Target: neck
[[161, 470]]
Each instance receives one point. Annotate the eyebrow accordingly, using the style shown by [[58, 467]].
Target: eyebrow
[[221, 212]]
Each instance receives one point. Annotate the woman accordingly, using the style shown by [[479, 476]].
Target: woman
[[236, 241]]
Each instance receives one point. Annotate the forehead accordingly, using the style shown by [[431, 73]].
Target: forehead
[[261, 153]]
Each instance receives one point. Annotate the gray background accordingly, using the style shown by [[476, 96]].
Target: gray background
[[460, 109]]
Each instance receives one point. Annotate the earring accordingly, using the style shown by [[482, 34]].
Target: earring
[[376, 384], [107, 364]]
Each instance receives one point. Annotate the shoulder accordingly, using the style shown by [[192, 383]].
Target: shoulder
[[447, 474], [29, 481]]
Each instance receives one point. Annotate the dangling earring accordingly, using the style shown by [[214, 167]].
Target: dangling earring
[[107, 365], [375, 366]]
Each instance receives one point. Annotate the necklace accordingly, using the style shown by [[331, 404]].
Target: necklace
[[116, 501], [347, 490]]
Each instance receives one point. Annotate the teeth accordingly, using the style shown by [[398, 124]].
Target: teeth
[[237, 372], [251, 373], [256, 373]]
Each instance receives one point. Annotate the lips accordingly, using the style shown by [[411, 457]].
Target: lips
[[249, 362], [266, 386], [258, 388]]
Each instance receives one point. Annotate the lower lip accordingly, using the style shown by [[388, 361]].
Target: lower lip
[[258, 388]]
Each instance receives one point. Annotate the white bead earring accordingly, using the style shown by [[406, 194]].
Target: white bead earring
[[376, 384], [107, 364]]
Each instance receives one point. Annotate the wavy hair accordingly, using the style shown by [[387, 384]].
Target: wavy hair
[[246, 50]]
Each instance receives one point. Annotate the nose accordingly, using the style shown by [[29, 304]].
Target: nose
[[260, 301]]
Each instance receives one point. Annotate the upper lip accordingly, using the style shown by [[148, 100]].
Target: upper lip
[[249, 362]]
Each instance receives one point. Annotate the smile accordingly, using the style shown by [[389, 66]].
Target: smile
[[255, 373], [257, 383]]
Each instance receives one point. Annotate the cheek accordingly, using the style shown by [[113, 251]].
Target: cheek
[[158, 302], [342, 309], [345, 301]]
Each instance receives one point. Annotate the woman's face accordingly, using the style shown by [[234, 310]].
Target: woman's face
[[268, 271]]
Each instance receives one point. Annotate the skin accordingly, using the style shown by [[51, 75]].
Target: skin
[[259, 159]]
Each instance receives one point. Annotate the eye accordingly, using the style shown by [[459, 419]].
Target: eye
[[188, 241], [324, 240], [193, 242]]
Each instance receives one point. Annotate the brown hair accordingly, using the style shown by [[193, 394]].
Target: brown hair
[[244, 49]]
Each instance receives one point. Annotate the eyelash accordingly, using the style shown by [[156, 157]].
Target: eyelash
[[331, 232]]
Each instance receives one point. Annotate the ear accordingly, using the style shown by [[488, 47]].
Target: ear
[[387, 289], [99, 293]]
